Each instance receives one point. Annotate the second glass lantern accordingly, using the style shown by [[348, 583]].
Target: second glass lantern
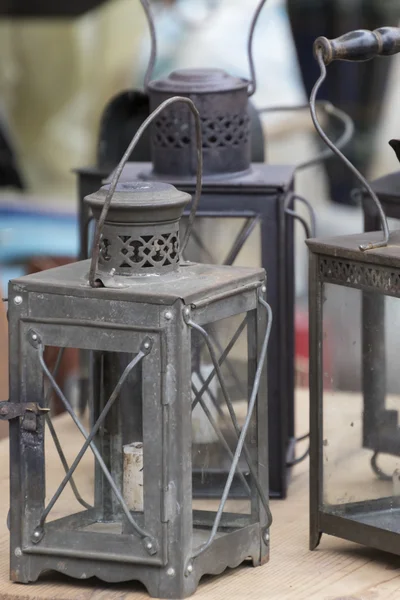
[[354, 310]]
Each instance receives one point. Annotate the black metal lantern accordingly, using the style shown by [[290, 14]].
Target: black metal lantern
[[138, 308], [237, 185], [257, 194], [358, 273]]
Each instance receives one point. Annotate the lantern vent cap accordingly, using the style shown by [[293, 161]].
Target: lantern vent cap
[[140, 202], [198, 81]]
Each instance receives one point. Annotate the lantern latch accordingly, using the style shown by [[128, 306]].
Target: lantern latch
[[29, 411]]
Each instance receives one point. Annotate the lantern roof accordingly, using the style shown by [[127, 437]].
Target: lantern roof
[[348, 247], [259, 179], [198, 81], [191, 283], [140, 202]]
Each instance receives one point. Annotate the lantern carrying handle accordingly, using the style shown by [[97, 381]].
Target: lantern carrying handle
[[253, 79], [118, 171], [153, 46], [359, 45], [332, 111], [319, 54], [153, 51]]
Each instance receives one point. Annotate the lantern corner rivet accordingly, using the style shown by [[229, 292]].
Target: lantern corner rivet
[[266, 537], [150, 546], [171, 572], [168, 315], [187, 311], [34, 338], [37, 535], [18, 300], [146, 345], [263, 289], [18, 551], [189, 569]]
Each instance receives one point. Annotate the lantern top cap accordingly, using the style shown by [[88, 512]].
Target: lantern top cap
[[140, 201], [198, 81], [348, 247]]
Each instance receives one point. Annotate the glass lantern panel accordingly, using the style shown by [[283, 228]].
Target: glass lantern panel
[[361, 404], [119, 441], [214, 435], [225, 241]]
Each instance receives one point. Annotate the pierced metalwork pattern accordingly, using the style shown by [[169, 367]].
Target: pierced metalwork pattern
[[169, 132], [147, 251], [228, 130], [360, 275], [217, 132]]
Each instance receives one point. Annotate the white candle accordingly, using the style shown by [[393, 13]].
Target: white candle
[[133, 476]]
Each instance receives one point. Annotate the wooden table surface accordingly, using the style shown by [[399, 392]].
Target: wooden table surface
[[338, 570]]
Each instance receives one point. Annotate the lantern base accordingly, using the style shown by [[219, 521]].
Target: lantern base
[[164, 581]]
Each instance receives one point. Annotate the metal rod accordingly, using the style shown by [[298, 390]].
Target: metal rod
[[311, 212], [332, 111], [253, 81], [55, 436], [377, 470], [220, 361], [202, 246], [120, 167], [153, 49], [229, 366], [345, 160], [89, 443], [221, 437], [231, 409], [301, 219], [65, 463], [309, 232], [211, 395], [241, 239], [241, 441]]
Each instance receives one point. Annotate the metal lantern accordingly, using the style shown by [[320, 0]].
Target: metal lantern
[[233, 187], [138, 308], [358, 273]]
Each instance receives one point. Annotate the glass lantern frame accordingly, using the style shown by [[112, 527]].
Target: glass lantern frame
[[376, 273], [54, 308]]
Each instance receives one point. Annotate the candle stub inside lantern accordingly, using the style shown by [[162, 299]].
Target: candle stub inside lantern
[[133, 476]]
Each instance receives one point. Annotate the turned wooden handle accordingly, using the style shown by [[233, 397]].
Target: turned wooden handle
[[359, 45]]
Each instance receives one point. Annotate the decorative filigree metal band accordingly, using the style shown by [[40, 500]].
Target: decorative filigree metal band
[[356, 274], [221, 131], [131, 253]]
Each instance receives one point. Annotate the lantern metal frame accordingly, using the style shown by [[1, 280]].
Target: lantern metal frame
[[340, 261], [234, 187], [369, 262], [91, 306], [40, 320]]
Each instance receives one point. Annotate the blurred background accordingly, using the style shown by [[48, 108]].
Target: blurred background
[[58, 71]]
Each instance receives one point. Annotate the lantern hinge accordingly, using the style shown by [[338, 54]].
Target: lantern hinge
[[169, 504], [29, 411]]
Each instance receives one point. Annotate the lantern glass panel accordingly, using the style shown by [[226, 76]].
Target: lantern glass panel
[[360, 387], [213, 431], [225, 241]]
